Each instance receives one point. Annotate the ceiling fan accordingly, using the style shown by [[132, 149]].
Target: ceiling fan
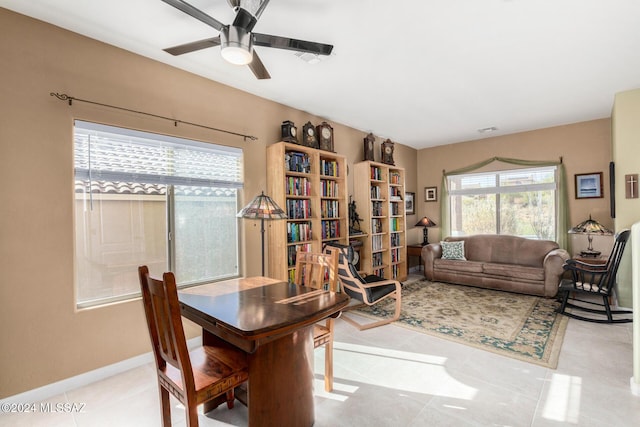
[[237, 39]]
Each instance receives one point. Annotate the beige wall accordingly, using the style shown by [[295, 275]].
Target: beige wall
[[44, 339], [626, 155], [584, 147]]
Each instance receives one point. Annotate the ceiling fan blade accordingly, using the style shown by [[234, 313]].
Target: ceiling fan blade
[[196, 13], [258, 68], [291, 44], [193, 46]]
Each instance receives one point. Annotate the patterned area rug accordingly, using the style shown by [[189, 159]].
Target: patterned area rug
[[523, 327]]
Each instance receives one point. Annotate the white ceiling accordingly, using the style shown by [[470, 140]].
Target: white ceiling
[[421, 72]]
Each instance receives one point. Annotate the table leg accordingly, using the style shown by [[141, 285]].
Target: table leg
[[281, 381], [280, 387]]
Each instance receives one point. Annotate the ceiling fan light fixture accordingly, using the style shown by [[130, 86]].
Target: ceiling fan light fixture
[[236, 44]]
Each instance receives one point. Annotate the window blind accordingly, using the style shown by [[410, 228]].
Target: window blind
[[105, 153]]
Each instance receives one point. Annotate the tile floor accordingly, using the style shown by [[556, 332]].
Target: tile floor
[[390, 376]]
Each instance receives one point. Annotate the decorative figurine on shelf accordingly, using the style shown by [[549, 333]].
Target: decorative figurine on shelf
[[387, 152], [289, 132], [368, 147], [354, 218]]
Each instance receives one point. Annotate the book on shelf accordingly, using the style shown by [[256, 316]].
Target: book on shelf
[[298, 232], [298, 186], [298, 209], [329, 168], [297, 162]]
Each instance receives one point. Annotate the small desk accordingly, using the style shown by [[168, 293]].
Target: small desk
[[272, 321], [415, 250]]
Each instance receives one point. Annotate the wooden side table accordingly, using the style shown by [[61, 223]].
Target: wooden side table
[[414, 250]]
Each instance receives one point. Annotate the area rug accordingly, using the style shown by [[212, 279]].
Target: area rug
[[519, 326]]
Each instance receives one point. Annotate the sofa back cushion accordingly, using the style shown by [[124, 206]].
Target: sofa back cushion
[[505, 249]]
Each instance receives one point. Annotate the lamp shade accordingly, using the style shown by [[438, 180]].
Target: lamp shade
[[425, 222], [262, 207], [590, 226]]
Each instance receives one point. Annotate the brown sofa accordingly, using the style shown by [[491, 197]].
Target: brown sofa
[[507, 263]]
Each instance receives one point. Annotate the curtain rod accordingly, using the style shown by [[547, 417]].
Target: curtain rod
[[70, 99]]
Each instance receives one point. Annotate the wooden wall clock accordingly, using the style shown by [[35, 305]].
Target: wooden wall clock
[[309, 135], [387, 152], [369, 141], [289, 132], [325, 136]]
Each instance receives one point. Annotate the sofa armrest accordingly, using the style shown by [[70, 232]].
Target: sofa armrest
[[429, 253], [553, 270]]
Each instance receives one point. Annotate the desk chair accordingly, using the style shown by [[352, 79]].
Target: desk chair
[[192, 377], [595, 280], [317, 270], [369, 290]]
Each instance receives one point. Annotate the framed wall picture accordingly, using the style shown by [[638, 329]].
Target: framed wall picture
[[430, 194], [589, 185], [409, 203]]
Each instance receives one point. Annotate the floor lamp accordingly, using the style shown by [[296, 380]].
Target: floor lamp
[[262, 207]]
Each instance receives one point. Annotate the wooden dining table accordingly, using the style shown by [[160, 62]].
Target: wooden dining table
[[272, 321]]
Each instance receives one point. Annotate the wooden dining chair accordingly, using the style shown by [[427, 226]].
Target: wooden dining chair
[[192, 377], [320, 271]]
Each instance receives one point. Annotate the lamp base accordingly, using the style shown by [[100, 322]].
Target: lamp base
[[425, 237]]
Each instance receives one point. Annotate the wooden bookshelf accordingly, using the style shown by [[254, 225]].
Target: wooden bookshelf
[[379, 195], [310, 185]]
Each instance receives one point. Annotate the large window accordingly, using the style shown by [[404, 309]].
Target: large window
[[518, 202], [143, 198]]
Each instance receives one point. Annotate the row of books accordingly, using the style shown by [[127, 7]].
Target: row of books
[[376, 208], [376, 225], [376, 173], [394, 178], [396, 208], [376, 243], [395, 193], [376, 259], [329, 208], [293, 250], [297, 162], [330, 229], [329, 168], [395, 255], [395, 224], [395, 239], [329, 188], [298, 231], [298, 186], [376, 192], [395, 270], [299, 209]]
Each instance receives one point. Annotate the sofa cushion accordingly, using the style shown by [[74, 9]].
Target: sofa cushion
[[514, 271], [453, 250], [456, 265]]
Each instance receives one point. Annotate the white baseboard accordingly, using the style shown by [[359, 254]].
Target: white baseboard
[[45, 392], [635, 387]]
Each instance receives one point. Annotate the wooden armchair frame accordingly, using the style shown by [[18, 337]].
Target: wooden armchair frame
[[369, 290]]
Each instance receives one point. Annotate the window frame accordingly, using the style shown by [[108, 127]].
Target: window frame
[[497, 190], [233, 185]]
